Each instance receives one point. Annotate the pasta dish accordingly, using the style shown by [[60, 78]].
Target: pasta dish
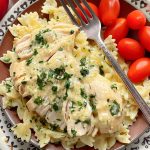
[[63, 87]]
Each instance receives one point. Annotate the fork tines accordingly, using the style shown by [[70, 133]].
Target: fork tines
[[76, 4]]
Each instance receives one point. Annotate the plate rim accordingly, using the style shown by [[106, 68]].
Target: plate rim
[[5, 30]]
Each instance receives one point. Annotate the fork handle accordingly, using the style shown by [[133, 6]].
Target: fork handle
[[140, 101]]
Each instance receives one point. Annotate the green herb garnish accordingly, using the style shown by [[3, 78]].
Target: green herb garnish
[[65, 97], [67, 84], [29, 61], [83, 61], [101, 71], [81, 105], [8, 87], [38, 100], [40, 62], [54, 127], [24, 82], [54, 89], [74, 132], [60, 49], [84, 72], [92, 96], [114, 108], [35, 52], [87, 121], [72, 106], [83, 93], [114, 86], [72, 32], [14, 74], [55, 107], [41, 80], [92, 104], [59, 73], [78, 121], [40, 39]]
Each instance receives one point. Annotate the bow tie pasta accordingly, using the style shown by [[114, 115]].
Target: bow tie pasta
[[63, 87]]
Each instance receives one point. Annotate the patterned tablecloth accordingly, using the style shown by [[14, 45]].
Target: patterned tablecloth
[[10, 142]]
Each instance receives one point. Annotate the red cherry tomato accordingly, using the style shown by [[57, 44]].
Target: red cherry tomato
[[136, 20], [3, 7], [144, 37], [139, 70], [109, 11], [94, 8], [130, 49], [119, 30]]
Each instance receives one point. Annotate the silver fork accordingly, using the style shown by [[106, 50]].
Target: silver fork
[[92, 28]]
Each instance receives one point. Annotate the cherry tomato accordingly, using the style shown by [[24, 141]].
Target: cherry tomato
[[109, 11], [3, 7], [136, 20], [94, 8], [130, 49], [139, 70], [144, 37], [118, 30]]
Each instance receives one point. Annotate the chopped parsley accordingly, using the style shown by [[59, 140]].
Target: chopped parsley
[[92, 96], [59, 73], [41, 80], [65, 130], [83, 93], [51, 74], [8, 87], [83, 61], [67, 76], [72, 106], [39, 39], [71, 31], [35, 52], [29, 61], [60, 49], [81, 105], [74, 132], [38, 100], [65, 97], [24, 82], [84, 72], [114, 108], [54, 89], [14, 74], [41, 62], [87, 121], [101, 71], [54, 127], [92, 102], [67, 84], [46, 30], [55, 107], [114, 86], [77, 121]]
